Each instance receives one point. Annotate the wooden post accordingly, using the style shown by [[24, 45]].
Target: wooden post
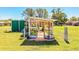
[[24, 32], [44, 30], [36, 27], [29, 26], [52, 30], [65, 33], [49, 34]]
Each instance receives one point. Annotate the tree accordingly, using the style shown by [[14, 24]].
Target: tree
[[42, 13], [78, 18], [39, 12], [29, 12], [45, 13], [62, 17], [59, 15], [74, 18]]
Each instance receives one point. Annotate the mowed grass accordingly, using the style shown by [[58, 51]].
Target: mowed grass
[[11, 41]]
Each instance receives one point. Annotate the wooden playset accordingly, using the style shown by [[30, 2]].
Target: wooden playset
[[38, 29]]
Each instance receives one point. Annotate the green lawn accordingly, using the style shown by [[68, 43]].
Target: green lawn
[[11, 41]]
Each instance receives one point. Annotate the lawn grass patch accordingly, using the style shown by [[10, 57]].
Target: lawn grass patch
[[11, 41]]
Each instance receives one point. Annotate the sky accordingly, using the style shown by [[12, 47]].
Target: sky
[[16, 12]]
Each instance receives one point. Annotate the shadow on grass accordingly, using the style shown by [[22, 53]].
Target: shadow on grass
[[67, 41], [7, 31], [33, 42], [11, 32]]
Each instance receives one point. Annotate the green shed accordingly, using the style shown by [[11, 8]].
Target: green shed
[[22, 24], [17, 25]]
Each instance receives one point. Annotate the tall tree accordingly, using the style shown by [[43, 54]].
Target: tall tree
[[74, 18], [59, 15], [29, 12], [78, 18], [42, 13], [39, 12], [45, 13]]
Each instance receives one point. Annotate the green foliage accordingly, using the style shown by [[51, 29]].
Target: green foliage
[[33, 32], [45, 13], [74, 18], [78, 19], [29, 12], [59, 15], [42, 13], [7, 20], [39, 12]]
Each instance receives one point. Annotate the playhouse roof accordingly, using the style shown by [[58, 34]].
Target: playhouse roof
[[41, 19]]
